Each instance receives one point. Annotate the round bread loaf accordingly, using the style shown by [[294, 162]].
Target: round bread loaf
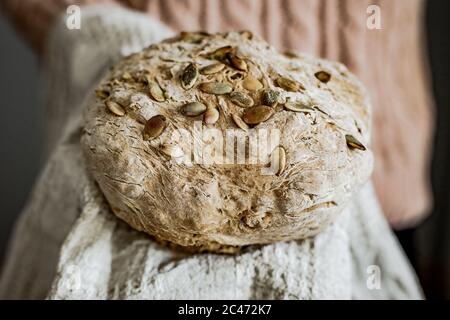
[[217, 141]]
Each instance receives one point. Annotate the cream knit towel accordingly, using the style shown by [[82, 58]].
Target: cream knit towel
[[67, 245]]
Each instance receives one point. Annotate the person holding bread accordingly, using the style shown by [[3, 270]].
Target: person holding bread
[[120, 85]]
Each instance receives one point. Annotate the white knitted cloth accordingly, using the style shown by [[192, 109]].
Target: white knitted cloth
[[67, 245]]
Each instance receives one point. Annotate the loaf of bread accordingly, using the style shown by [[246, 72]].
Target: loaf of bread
[[218, 141]]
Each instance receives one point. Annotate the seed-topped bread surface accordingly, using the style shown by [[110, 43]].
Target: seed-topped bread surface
[[217, 141]]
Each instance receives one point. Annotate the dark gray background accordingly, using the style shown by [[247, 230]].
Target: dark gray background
[[20, 130], [427, 246]]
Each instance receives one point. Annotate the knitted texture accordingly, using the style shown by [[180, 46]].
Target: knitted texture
[[68, 245]]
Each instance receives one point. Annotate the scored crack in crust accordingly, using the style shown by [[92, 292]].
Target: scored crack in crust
[[153, 179]]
